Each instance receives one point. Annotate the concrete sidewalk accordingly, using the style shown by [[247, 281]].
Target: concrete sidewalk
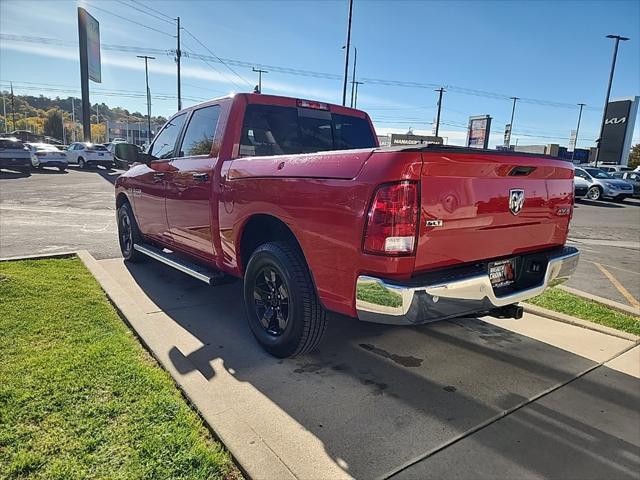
[[463, 398]]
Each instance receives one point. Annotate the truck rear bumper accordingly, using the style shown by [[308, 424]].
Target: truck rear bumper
[[460, 291]]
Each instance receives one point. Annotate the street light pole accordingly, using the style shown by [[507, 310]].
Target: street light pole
[[346, 56], [259, 72], [617, 38], [577, 130], [355, 99], [353, 76], [146, 76], [441, 90]]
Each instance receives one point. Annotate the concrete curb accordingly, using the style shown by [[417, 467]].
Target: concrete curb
[[578, 322], [40, 256], [254, 458], [621, 307]]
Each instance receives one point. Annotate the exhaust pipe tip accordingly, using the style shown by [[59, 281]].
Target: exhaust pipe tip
[[514, 311]]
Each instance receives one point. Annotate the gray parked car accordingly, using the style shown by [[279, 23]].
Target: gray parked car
[[604, 185], [14, 155]]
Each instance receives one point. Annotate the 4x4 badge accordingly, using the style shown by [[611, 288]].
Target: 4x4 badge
[[516, 200]]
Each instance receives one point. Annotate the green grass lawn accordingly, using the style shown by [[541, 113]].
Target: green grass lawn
[[79, 396], [561, 301]]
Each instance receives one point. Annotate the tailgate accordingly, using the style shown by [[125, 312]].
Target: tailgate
[[466, 212]]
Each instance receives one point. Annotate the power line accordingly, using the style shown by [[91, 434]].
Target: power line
[[131, 21], [152, 9], [217, 57], [330, 76], [146, 12]]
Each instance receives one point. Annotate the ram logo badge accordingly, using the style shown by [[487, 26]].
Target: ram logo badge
[[516, 200]]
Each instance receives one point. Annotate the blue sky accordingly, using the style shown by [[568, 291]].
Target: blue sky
[[549, 51]]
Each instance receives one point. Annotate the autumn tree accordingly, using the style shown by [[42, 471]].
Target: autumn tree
[[53, 124], [634, 156]]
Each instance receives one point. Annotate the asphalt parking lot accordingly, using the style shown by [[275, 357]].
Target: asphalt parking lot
[[51, 212]]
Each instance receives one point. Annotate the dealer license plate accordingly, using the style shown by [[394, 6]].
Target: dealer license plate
[[502, 272]]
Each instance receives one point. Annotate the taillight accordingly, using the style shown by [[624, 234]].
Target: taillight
[[392, 222], [40, 154]]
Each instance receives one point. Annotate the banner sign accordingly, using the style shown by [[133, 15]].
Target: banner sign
[[507, 134], [619, 121], [90, 41], [408, 139], [478, 131]]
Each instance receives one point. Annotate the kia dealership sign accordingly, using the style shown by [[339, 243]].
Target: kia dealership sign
[[619, 121]]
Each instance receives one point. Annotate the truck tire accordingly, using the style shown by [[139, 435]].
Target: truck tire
[[282, 305], [128, 234]]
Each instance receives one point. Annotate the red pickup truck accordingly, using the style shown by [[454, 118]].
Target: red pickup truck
[[297, 198]]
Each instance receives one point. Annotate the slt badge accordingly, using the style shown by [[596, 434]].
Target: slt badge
[[516, 200]]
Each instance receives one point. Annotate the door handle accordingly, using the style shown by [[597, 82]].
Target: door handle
[[200, 177], [157, 177]]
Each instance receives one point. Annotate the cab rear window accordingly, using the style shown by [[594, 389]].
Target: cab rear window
[[273, 130]]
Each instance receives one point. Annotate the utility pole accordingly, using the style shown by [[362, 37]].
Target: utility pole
[[346, 56], [178, 55], [441, 90], [617, 38], [259, 72], [13, 108], [513, 112], [581, 105], [355, 100], [146, 75]]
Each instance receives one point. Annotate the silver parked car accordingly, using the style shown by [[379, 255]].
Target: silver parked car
[[604, 185]]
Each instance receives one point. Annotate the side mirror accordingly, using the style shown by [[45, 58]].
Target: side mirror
[[130, 153]]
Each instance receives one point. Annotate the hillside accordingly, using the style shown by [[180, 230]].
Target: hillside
[[31, 113]]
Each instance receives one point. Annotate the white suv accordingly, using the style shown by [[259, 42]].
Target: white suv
[[86, 154]]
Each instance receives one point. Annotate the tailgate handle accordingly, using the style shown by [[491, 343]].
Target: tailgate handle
[[521, 171]]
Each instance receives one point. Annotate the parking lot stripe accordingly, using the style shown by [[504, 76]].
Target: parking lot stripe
[[630, 298]]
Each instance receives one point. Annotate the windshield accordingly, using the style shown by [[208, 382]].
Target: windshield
[[95, 146], [11, 144], [597, 173], [272, 130]]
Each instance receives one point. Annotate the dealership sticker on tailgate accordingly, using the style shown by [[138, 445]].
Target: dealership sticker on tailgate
[[502, 272]]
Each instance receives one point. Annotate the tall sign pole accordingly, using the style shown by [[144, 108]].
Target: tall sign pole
[[346, 56], [89, 42], [617, 38], [573, 153]]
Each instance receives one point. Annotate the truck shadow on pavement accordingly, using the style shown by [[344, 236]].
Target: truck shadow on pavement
[[381, 398]]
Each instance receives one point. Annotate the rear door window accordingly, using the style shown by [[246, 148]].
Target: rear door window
[[273, 130], [198, 137], [165, 143]]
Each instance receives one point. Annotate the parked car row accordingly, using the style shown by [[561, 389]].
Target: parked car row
[[594, 184]]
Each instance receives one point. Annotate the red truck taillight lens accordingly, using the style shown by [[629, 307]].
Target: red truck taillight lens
[[392, 221]]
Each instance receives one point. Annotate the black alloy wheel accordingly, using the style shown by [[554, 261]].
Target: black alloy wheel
[[271, 298]]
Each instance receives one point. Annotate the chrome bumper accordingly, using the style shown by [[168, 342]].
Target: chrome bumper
[[384, 301]]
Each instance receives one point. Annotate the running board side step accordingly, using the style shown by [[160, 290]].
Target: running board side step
[[204, 274]]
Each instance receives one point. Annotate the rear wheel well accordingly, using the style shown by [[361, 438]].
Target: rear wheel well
[[261, 229]]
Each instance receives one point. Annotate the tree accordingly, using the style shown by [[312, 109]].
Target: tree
[[53, 124], [634, 156]]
